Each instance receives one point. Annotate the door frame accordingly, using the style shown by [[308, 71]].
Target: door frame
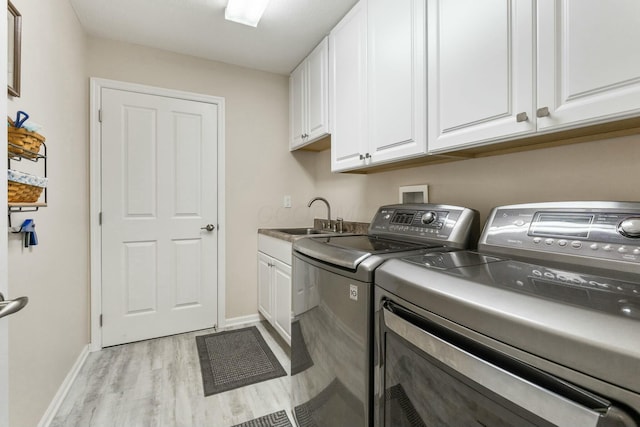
[[95, 185]]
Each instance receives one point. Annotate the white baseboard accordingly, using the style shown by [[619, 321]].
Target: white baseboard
[[241, 320], [54, 406]]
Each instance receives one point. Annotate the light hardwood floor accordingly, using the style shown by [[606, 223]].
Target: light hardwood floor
[[158, 383]]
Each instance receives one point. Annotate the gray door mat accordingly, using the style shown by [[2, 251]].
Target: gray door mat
[[300, 358], [277, 419], [237, 358]]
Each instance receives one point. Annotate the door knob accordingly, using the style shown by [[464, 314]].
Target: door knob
[[208, 227], [11, 306]]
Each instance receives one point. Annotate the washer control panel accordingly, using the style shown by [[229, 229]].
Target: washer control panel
[[608, 231], [426, 222]]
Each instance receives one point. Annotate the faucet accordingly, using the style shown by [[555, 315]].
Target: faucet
[[322, 199]]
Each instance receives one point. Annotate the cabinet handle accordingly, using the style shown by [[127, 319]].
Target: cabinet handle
[[543, 112], [522, 117]]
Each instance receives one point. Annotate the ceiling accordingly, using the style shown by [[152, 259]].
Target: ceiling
[[288, 31]]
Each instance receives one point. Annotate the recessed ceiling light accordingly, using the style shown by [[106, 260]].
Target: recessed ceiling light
[[247, 12]]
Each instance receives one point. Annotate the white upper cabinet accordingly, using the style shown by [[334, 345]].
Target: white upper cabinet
[[378, 88], [396, 75], [297, 119], [348, 90], [318, 91], [500, 70], [481, 82], [588, 61], [308, 98]]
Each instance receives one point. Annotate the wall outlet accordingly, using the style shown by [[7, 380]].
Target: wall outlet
[[286, 202]]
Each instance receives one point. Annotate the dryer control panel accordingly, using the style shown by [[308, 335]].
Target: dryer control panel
[[589, 233]]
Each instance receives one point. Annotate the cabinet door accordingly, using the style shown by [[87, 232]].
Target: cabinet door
[[481, 83], [282, 300], [265, 305], [396, 65], [348, 90], [297, 95], [588, 61], [318, 91]]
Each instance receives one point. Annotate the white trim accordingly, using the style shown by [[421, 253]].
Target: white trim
[[242, 320], [95, 185], [62, 392]]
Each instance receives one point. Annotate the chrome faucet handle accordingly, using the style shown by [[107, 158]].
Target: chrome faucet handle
[[339, 224]]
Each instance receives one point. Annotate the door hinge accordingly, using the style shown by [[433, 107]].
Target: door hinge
[[100, 218], [100, 115], [101, 320]]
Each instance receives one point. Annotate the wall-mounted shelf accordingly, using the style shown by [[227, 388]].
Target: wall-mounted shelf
[[16, 153], [20, 153], [19, 206]]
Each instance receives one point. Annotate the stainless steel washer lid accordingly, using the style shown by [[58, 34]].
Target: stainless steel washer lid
[[597, 343], [350, 251]]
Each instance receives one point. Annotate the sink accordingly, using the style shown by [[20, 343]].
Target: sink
[[301, 231]]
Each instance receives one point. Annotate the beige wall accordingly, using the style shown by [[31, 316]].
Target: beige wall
[[601, 170], [46, 338], [259, 168]]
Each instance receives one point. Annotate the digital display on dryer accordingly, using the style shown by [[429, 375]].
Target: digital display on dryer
[[561, 225]]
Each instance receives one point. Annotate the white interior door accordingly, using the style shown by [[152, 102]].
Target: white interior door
[[159, 266]]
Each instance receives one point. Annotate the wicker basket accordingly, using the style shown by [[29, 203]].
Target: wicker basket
[[22, 142], [23, 193], [23, 187]]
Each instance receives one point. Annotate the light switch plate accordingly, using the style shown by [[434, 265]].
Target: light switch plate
[[286, 202]]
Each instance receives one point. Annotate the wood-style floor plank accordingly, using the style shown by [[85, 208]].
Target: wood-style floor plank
[[157, 383]]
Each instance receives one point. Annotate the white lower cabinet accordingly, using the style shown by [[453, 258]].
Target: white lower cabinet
[[274, 283], [281, 284], [265, 291]]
